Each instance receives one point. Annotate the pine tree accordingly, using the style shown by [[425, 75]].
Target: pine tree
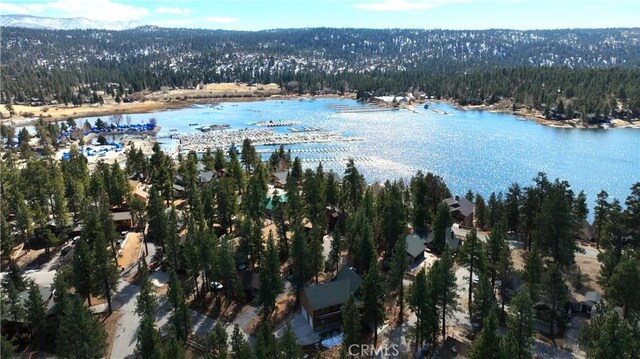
[[480, 212], [147, 303], [266, 344], [555, 293], [533, 267], [446, 291], [60, 291], [393, 216], [353, 185], [80, 334], [484, 302], [105, 271], [373, 299], [172, 245], [441, 222], [148, 344], [216, 343], [315, 251], [288, 347], [350, 323], [7, 348], [520, 325], [336, 248], [270, 282], [399, 264], [488, 343], [35, 310], [620, 291], [82, 266], [600, 213], [11, 301], [419, 305], [299, 259], [239, 346], [505, 270], [157, 218], [608, 336], [496, 242], [174, 348], [470, 256], [248, 154], [181, 317]]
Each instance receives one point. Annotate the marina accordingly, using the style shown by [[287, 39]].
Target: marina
[[259, 137], [476, 150]]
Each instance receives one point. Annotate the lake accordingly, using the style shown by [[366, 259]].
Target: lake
[[475, 150]]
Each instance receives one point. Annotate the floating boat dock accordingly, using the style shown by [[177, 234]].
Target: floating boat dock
[[364, 108], [275, 123], [307, 150]]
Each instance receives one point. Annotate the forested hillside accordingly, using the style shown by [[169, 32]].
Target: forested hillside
[[597, 66]]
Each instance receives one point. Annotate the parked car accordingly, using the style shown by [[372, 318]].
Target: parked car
[[215, 286], [64, 251]]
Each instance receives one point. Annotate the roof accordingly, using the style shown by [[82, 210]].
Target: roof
[[415, 245], [178, 187], [206, 176], [460, 204], [269, 201], [121, 216], [453, 348], [335, 292], [281, 177], [449, 237], [589, 297]]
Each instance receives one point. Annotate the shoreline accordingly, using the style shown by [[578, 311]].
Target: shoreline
[[156, 102], [141, 107], [537, 116]]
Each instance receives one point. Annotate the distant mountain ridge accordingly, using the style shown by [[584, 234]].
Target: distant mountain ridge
[[52, 23], [534, 66]]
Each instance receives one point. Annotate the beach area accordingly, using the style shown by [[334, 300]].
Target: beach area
[[151, 102]]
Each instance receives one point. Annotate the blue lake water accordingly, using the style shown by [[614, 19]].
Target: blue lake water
[[475, 150]]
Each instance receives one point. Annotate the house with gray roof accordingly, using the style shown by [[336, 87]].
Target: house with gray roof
[[415, 248], [461, 210], [279, 179], [321, 304]]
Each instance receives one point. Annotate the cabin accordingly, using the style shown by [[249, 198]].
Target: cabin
[[585, 303], [122, 220], [461, 210], [415, 248], [279, 179], [321, 304], [453, 348], [206, 176]]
